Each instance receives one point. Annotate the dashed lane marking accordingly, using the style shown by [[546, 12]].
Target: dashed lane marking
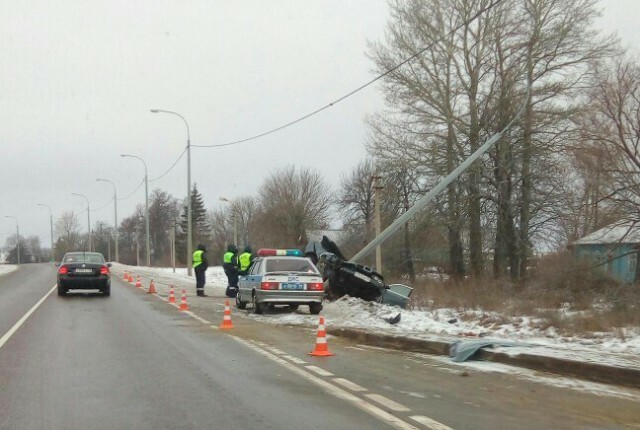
[[429, 423], [350, 385], [21, 321], [294, 359], [333, 389], [319, 371], [385, 401]]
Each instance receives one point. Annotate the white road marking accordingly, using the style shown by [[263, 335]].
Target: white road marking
[[276, 350], [338, 392], [21, 321], [350, 385], [394, 406], [431, 424], [197, 317], [294, 359], [319, 371]]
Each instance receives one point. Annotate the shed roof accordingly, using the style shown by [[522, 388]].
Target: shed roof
[[621, 232]]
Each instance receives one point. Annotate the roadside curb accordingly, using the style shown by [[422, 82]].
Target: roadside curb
[[583, 370]]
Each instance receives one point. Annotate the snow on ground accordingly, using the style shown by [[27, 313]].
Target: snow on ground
[[441, 324], [7, 268]]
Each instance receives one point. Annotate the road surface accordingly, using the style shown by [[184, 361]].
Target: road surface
[[132, 361]]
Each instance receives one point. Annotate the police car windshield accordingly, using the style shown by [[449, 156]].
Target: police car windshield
[[290, 265]]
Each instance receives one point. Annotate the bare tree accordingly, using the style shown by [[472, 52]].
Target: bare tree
[[356, 200], [68, 233]]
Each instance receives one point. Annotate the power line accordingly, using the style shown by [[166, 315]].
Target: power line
[[132, 192], [357, 90], [170, 168], [103, 206]]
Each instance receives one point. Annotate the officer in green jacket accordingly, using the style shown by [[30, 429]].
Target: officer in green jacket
[[200, 265], [230, 266], [245, 260]]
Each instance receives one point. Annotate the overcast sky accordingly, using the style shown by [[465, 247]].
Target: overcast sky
[[79, 78]]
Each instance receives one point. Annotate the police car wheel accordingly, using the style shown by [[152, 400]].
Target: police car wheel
[[258, 308], [294, 307], [315, 308], [239, 303]]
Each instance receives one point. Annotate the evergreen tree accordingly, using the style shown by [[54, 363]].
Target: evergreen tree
[[199, 224]]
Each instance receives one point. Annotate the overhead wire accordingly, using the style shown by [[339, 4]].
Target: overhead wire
[[132, 192], [358, 89], [170, 168]]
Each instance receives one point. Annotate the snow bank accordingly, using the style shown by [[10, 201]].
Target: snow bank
[[7, 268]]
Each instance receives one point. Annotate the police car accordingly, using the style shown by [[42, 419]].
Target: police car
[[281, 277]]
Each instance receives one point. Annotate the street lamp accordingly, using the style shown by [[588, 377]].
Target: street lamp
[[17, 232], [53, 258], [235, 220], [88, 217], [146, 203], [189, 228], [115, 210]]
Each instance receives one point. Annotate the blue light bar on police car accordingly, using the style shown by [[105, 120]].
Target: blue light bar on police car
[[268, 252]]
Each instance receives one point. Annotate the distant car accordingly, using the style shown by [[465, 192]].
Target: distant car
[[281, 277], [84, 271]]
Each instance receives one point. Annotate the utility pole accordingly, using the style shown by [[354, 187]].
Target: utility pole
[[137, 250], [376, 197]]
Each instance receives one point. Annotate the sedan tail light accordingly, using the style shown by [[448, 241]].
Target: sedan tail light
[[268, 285], [63, 270], [315, 286], [104, 270]]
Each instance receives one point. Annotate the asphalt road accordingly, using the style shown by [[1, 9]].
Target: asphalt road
[[132, 361]]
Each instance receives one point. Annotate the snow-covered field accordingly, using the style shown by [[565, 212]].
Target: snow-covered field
[[7, 268], [616, 349]]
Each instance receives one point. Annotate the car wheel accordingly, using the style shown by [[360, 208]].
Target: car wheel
[[239, 303], [258, 308], [62, 291], [294, 307], [106, 291], [315, 308]]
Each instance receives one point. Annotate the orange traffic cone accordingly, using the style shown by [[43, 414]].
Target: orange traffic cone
[[138, 283], [321, 349], [126, 276], [130, 278], [172, 294], [152, 288], [226, 320], [183, 303]]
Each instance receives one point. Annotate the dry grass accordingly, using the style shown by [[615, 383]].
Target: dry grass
[[572, 298]]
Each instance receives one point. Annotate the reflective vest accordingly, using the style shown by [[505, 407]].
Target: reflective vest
[[245, 261], [197, 258], [228, 257]]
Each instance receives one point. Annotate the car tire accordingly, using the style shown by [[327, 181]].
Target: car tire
[[315, 308], [106, 291], [62, 291], [294, 307], [239, 303], [258, 308]]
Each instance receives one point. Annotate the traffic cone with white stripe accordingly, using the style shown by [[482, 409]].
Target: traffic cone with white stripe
[[138, 283], [152, 288], [126, 276], [183, 303], [172, 294], [321, 349], [226, 320]]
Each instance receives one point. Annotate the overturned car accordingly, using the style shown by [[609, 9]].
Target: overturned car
[[344, 277]]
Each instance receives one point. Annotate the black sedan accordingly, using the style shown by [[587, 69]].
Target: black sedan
[[84, 271]]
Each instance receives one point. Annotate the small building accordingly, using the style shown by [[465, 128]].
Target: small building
[[615, 247]]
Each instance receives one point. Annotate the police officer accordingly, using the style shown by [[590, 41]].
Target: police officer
[[200, 265], [230, 265], [245, 260]]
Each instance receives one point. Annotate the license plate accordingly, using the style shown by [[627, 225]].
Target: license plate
[[291, 286], [84, 270]]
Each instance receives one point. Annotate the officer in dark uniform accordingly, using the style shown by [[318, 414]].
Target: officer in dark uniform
[[245, 260], [200, 265], [230, 266]]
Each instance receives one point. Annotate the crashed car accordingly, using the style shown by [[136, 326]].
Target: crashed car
[[344, 277]]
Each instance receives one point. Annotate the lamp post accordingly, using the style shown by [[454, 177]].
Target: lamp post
[[53, 258], [235, 221], [115, 211], [17, 232], [146, 204], [189, 228], [88, 217]]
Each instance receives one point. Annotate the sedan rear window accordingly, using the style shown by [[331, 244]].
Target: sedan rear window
[[83, 257], [290, 265]]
